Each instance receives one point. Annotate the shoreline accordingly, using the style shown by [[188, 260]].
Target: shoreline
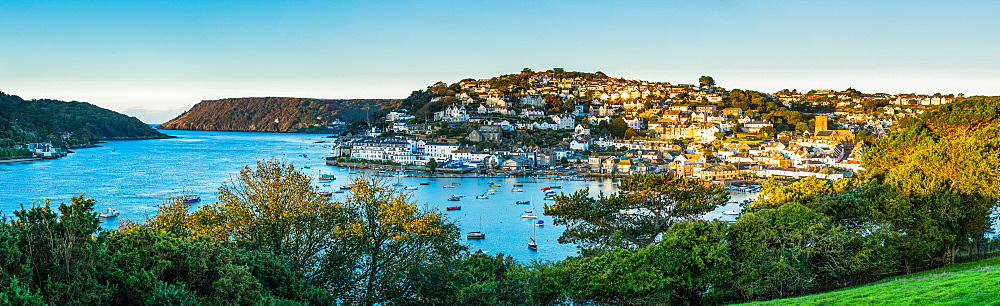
[[26, 159]]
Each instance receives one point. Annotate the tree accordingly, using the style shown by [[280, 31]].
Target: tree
[[274, 207], [432, 164], [393, 243], [630, 133], [635, 217], [55, 255], [705, 81], [689, 266]]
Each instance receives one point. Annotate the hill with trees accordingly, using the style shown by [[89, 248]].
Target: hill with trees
[[272, 114], [65, 124]]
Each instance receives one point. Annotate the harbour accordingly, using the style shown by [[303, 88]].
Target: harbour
[[133, 177]]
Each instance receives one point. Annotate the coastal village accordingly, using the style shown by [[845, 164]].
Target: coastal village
[[580, 125]]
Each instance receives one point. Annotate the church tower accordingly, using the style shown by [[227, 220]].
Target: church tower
[[820, 124]]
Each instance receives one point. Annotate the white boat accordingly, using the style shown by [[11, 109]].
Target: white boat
[[410, 188], [490, 193], [532, 245], [111, 213], [482, 197], [517, 190], [457, 195], [528, 215], [731, 212], [448, 186]]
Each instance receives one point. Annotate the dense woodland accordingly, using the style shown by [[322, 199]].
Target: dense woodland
[[275, 114], [929, 192], [63, 123]]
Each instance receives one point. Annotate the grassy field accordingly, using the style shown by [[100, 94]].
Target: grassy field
[[973, 283]]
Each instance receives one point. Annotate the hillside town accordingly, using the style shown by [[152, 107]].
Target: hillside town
[[589, 125]]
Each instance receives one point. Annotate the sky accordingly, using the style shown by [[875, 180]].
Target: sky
[[155, 59]]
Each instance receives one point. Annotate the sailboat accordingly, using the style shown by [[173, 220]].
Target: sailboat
[[477, 234], [532, 245]]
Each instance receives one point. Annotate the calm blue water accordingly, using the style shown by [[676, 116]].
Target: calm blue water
[[135, 176]]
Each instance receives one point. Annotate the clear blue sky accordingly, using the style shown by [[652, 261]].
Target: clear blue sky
[[155, 58]]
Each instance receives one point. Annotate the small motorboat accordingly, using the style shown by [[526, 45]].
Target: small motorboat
[[555, 187], [338, 191], [540, 223], [448, 186], [345, 187], [490, 193], [342, 169], [528, 215], [518, 185], [482, 197], [990, 230], [425, 183], [476, 235], [497, 185], [523, 202], [410, 188], [325, 193], [479, 252], [549, 198], [731, 212], [190, 199], [546, 188], [517, 190], [457, 195], [453, 208], [454, 199], [111, 213]]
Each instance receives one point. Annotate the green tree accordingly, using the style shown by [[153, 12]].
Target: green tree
[[705, 81], [635, 217], [432, 164], [274, 207], [393, 243]]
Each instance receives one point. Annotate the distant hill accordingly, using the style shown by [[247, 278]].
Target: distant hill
[[973, 283], [65, 123], [275, 114]]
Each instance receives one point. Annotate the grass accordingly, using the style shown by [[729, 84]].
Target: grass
[[973, 283]]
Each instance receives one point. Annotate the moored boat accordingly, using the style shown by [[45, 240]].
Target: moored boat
[[111, 213], [454, 199], [482, 197], [517, 190], [523, 202], [410, 188], [731, 212], [528, 215], [425, 183], [453, 208]]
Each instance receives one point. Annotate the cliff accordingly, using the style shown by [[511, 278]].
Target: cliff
[[272, 114]]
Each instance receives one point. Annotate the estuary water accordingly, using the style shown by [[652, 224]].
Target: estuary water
[[133, 177]]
